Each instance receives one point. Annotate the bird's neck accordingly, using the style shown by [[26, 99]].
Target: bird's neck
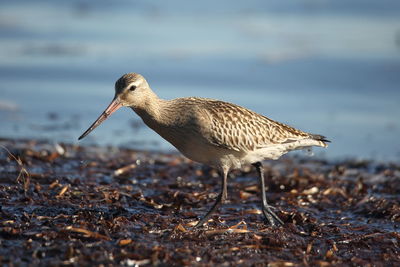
[[151, 109]]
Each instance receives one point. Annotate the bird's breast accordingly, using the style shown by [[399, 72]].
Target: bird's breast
[[193, 144], [188, 128]]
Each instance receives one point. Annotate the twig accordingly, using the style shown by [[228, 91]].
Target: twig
[[22, 172]]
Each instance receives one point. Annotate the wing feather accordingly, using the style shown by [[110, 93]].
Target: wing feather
[[233, 127]]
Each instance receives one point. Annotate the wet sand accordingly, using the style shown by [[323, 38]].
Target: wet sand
[[71, 205]]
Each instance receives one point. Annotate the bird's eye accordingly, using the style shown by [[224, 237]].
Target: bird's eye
[[132, 88]]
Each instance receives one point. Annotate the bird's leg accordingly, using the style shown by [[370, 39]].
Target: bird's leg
[[220, 199], [266, 209]]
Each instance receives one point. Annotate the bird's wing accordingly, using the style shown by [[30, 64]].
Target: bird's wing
[[237, 128]]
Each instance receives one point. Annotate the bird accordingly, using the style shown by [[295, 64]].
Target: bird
[[213, 132]]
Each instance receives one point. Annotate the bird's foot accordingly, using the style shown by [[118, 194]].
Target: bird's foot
[[211, 211], [201, 222], [271, 216]]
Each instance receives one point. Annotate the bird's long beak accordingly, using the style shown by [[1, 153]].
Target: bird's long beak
[[114, 105]]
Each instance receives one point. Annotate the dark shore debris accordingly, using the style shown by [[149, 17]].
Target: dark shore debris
[[71, 205]]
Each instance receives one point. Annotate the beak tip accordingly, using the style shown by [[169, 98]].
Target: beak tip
[[82, 136]]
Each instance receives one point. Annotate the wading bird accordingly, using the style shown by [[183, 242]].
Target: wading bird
[[213, 132]]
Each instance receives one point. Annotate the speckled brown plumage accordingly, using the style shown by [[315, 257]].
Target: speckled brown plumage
[[214, 128], [240, 129]]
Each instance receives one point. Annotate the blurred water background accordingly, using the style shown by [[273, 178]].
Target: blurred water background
[[325, 66]]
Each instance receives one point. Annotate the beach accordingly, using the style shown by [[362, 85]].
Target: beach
[[103, 205]]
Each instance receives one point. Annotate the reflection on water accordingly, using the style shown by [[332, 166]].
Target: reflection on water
[[328, 67]]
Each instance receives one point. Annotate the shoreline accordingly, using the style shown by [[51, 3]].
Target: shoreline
[[321, 155]]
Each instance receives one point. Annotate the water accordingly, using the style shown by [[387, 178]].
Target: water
[[327, 67]]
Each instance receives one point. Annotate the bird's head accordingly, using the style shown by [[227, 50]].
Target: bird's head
[[130, 90]]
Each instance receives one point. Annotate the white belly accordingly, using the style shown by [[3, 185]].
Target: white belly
[[276, 151]]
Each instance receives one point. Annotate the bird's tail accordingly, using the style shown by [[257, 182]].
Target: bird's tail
[[322, 139]]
